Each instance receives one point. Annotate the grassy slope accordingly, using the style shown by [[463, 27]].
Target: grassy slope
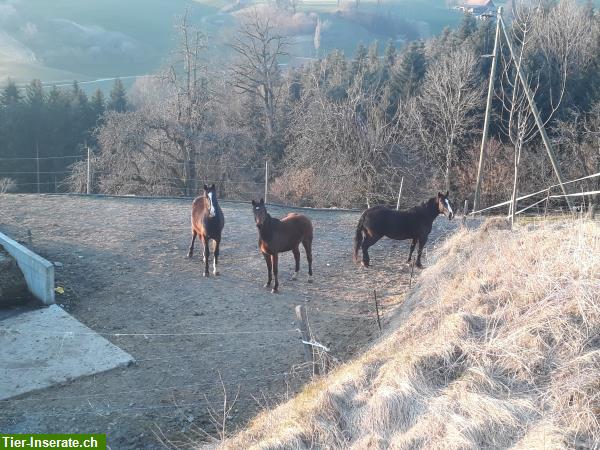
[[498, 346]]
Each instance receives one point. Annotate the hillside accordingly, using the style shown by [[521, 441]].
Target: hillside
[[498, 346], [66, 39]]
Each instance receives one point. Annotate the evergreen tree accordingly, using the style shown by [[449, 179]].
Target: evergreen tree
[[389, 54], [359, 63], [10, 94], [118, 97], [467, 27], [373, 56], [410, 70], [97, 105]]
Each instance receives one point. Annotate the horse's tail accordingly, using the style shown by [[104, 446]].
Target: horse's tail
[[358, 237]]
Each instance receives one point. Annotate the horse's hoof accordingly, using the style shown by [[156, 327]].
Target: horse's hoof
[[365, 264], [216, 274], [310, 280], [267, 285], [189, 256], [420, 266], [274, 291], [294, 277], [206, 274]]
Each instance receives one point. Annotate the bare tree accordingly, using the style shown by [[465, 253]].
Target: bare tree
[[341, 151], [256, 73], [446, 113]]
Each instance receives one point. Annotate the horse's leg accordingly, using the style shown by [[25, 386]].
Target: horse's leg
[[296, 253], [206, 242], [412, 249], [216, 255], [269, 268], [307, 244], [191, 250], [368, 241], [275, 262], [422, 242]]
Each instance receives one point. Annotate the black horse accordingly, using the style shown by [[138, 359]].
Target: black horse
[[207, 222], [414, 223]]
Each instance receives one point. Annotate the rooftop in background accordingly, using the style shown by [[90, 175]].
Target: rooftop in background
[[478, 8]]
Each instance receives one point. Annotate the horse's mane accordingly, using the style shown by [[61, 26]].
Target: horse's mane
[[425, 205]]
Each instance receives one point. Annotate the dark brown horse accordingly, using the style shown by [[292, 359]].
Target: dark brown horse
[[414, 223], [207, 223], [276, 236]]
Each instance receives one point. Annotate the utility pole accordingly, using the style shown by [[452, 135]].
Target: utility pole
[[37, 164], [536, 115], [488, 107]]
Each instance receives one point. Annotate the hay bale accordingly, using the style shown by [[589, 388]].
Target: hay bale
[[13, 289]]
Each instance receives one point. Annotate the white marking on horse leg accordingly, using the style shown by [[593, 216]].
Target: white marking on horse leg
[[215, 271]]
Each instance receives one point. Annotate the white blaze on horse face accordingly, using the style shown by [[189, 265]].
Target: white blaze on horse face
[[448, 206], [212, 208]]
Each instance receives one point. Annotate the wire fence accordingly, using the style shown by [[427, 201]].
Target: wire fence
[[547, 199]]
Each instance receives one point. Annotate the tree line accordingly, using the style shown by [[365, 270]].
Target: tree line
[[342, 131], [46, 130]]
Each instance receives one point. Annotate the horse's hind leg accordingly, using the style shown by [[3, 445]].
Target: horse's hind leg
[[275, 262], [206, 241], [296, 253], [216, 255], [191, 250], [269, 269], [422, 242], [412, 249], [368, 241], [307, 244]]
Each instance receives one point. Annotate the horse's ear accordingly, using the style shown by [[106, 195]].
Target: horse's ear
[[447, 193], [253, 203], [262, 201], [212, 186], [205, 187], [440, 194]]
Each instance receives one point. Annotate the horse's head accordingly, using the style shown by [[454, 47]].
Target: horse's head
[[260, 212], [443, 205], [211, 194]]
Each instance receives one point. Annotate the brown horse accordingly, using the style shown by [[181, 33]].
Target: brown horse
[[276, 236], [414, 224], [207, 222]]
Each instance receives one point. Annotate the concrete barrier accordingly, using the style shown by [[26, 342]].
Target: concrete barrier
[[38, 273]]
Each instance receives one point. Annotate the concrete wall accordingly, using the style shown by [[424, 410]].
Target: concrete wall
[[39, 273]]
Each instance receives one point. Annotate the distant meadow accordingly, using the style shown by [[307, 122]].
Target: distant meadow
[[66, 40]]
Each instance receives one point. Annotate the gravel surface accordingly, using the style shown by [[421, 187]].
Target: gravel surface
[[123, 269]]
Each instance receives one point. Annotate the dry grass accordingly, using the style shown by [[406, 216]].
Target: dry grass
[[497, 347]]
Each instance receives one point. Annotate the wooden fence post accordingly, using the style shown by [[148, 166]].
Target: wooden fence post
[[465, 213], [303, 324], [89, 172], [377, 308], [399, 194]]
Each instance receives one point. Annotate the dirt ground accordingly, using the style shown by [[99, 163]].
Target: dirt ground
[[125, 275]]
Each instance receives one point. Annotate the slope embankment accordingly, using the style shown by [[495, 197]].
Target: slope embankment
[[498, 346]]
